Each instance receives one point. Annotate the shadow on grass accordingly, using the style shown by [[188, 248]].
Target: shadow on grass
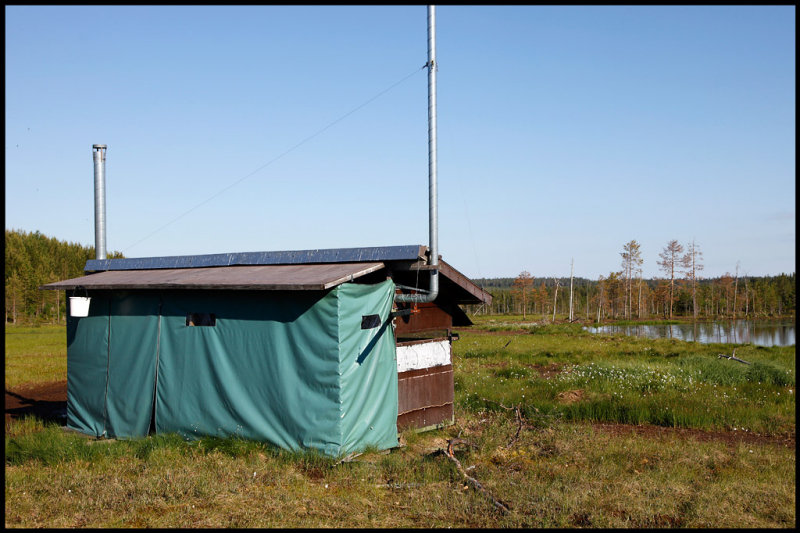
[[19, 406]]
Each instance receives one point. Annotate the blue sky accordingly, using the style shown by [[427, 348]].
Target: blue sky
[[563, 131]]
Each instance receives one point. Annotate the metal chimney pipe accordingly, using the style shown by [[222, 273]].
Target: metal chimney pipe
[[433, 217], [99, 155]]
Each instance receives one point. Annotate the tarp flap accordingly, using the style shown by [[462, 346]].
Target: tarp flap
[[132, 365], [87, 365], [369, 384]]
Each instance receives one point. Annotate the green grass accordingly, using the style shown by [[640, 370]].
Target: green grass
[[555, 475], [35, 354], [626, 379], [561, 470]]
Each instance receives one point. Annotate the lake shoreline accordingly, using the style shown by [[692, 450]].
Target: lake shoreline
[[727, 331]]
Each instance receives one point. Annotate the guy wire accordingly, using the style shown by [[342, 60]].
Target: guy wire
[[273, 160]]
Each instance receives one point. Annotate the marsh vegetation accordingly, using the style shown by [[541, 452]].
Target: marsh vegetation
[[567, 428]]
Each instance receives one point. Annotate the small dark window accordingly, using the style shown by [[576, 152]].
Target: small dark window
[[201, 319], [370, 321]]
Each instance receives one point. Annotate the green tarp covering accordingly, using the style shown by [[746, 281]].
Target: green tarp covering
[[299, 369]]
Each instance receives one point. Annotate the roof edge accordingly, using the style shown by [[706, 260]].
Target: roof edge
[[292, 257], [237, 277]]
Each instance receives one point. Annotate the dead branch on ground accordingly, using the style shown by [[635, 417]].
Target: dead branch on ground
[[520, 419], [400, 486], [348, 458], [733, 357], [450, 454]]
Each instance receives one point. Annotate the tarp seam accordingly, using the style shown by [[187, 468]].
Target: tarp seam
[[108, 368], [337, 292], [154, 408]]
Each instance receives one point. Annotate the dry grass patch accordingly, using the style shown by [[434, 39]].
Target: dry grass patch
[[562, 475]]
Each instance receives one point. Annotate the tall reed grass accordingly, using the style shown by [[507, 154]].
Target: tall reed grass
[[615, 378]]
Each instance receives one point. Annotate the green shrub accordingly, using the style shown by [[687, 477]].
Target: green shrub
[[763, 373]]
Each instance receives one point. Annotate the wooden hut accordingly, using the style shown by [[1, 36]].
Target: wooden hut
[[304, 349]]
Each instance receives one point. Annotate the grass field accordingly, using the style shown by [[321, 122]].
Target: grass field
[[625, 379], [35, 354], [565, 428]]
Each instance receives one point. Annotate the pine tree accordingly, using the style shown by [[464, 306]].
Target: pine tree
[[691, 262], [522, 287], [631, 259], [670, 261]]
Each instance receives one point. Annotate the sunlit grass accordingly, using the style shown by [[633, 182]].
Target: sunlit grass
[[556, 474], [35, 354], [563, 370], [559, 470]]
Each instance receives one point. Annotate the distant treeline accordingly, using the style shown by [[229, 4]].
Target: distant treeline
[[33, 260], [608, 298]]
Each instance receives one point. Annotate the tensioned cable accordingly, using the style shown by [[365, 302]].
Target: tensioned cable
[[472, 239], [276, 158]]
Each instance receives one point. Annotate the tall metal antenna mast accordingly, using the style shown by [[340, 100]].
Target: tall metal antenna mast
[[433, 217]]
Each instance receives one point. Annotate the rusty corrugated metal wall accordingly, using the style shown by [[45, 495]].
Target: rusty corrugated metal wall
[[425, 397]]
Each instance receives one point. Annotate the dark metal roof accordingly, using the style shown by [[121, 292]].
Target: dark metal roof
[[263, 277], [296, 257], [299, 270]]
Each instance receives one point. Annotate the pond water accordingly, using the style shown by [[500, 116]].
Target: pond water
[[760, 332]]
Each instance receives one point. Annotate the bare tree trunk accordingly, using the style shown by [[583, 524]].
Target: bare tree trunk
[[570, 289], [639, 302], [694, 286], [555, 301], [713, 309], [671, 285], [735, 288], [630, 291], [587, 302], [746, 298]]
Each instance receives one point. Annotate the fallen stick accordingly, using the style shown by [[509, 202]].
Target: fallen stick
[[520, 420], [722, 355], [450, 453], [348, 459], [399, 486]]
